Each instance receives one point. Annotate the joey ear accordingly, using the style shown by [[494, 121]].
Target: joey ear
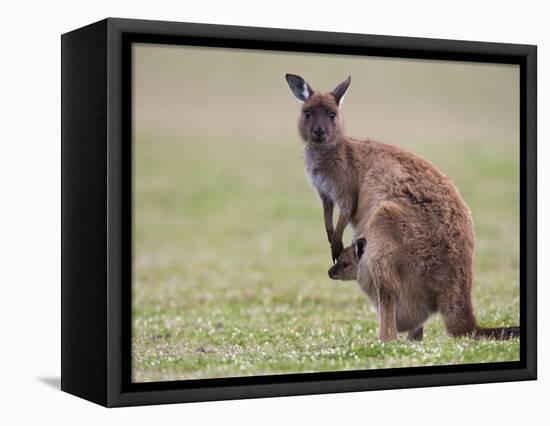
[[340, 90], [299, 87], [360, 246]]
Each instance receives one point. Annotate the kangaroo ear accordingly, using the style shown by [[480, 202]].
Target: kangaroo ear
[[360, 246], [340, 90], [299, 87]]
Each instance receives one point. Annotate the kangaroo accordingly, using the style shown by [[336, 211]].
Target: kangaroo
[[345, 269], [420, 230]]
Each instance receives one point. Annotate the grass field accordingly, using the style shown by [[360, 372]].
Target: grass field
[[231, 269], [231, 258]]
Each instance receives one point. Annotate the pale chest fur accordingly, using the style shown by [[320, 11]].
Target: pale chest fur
[[319, 173], [323, 183]]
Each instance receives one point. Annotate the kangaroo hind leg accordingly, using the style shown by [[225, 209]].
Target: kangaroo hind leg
[[386, 282], [458, 315], [383, 260]]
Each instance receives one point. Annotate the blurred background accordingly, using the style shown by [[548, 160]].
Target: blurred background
[[230, 253]]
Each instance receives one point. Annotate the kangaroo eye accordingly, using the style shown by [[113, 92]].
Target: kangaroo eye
[[332, 115], [344, 264], [307, 114]]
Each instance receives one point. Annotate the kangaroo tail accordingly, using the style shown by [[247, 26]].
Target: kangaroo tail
[[498, 333]]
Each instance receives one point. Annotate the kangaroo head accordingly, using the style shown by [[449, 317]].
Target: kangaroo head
[[320, 120], [345, 269]]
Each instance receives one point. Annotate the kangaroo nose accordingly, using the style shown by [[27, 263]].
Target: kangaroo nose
[[319, 132], [331, 273]]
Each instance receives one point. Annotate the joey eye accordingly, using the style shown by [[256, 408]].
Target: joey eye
[[344, 264], [307, 115], [332, 115]]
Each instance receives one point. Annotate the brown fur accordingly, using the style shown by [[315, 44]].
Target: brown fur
[[345, 269], [420, 231]]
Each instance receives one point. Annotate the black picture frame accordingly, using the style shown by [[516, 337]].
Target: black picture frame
[[96, 211]]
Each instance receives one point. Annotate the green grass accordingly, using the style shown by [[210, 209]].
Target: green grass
[[231, 260]]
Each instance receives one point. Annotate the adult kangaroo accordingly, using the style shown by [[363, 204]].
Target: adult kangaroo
[[420, 231]]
